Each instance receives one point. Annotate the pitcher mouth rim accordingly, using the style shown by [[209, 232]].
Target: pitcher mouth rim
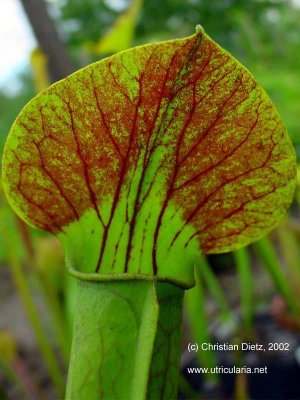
[[98, 277]]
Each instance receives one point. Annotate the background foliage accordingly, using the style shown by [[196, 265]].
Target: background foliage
[[262, 34]]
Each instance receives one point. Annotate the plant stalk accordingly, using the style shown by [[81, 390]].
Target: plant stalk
[[33, 316], [47, 291], [243, 265], [198, 321], [289, 246], [126, 342], [268, 257], [214, 287]]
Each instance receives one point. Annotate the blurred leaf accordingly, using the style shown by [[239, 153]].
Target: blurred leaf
[[120, 36], [11, 104], [8, 347], [8, 222], [38, 62]]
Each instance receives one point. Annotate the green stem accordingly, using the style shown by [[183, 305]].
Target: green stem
[[32, 313], [47, 291], [60, 327], [269, 259], [126, 342], [25, 236], [195, 307], [164, 369], [214, 286], [289, 246], [242, 261], [70, 288]]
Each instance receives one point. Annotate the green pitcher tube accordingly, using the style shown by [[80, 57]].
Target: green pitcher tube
[[126, 341]]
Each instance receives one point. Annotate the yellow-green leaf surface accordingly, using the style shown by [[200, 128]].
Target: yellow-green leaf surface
[[139, 160], [121, 34]]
